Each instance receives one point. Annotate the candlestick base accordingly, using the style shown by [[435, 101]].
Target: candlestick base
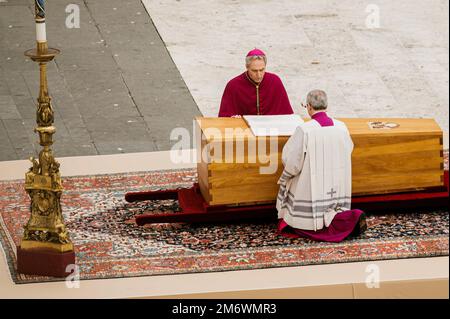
[[44, 262]]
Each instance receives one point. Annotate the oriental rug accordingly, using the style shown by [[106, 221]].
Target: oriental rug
[[109, 244]]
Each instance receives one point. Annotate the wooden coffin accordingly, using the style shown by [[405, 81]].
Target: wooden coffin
[[404, 156]]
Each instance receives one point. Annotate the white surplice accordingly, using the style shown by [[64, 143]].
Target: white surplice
[[316, 181]]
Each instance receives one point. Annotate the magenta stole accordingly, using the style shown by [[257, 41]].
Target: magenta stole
[[343, 223]]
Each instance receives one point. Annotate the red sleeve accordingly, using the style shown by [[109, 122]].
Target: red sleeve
[[227, 107], [284, 106]]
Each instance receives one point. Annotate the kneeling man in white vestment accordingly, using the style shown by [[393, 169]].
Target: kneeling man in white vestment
[[314, 200]]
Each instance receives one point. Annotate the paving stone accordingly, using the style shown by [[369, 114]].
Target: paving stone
[[87, 58], [118, 12], [16, 83], [16, 13], [14, 2], [116, 147], [103, 129], [4, 89], [25, 106], [19, 137], [78, 131], [112, 71], [8, 109], [7, 152], [15, 60], [162, 129]]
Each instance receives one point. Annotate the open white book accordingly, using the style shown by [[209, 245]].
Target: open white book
[[273, 125]]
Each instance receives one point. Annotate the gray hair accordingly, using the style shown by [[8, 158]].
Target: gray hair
[[317, 99], [249, 59]]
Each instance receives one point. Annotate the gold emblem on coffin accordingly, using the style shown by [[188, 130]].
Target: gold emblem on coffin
[[382, 125]]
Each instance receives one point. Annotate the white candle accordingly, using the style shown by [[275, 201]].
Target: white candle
[[41, 35], [40, 32]]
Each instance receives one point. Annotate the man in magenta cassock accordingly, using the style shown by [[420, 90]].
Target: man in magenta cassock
[[255, 92]]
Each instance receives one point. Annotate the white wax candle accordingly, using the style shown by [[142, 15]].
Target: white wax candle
[[40, 20], [41, 35]]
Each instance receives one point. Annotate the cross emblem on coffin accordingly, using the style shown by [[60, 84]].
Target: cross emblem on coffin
[[331, 192]]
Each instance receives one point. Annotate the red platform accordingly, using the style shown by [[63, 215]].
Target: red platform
[[194, 209], [44, 262]]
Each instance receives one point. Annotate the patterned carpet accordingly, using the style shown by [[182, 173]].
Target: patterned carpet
[[109, 245]]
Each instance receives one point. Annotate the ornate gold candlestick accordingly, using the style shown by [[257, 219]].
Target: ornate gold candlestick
[[45, 235]]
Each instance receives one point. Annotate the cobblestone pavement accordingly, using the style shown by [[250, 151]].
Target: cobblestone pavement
[[114, 88]]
